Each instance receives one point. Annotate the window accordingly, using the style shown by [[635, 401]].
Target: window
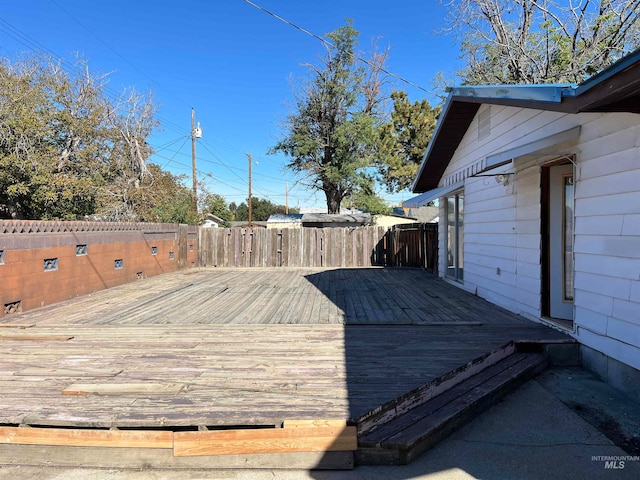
[[455, 237], [567, 239]]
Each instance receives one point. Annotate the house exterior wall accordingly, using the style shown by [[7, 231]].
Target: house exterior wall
[[502, 223], [607, 240], [284, 224], [389, 221]]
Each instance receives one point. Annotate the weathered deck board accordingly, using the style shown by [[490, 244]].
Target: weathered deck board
[[203, 296], [251, 347]]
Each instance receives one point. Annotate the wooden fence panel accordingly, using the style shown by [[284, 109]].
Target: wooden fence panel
[[403, 246], [414, 245], [297, 247]]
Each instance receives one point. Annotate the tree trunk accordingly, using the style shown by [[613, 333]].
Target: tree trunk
[[333, 199]]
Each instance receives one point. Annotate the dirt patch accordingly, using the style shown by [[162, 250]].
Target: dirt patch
[[609, 426]]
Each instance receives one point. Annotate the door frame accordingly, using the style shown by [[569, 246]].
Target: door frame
[[545, 237]]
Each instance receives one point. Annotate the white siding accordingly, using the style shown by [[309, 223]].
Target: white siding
[[607, 245], [502, 250]]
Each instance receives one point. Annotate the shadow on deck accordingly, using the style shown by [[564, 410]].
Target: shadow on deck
[[218, 348], [442, 354]]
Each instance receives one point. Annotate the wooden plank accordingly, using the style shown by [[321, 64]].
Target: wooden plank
[[425, 433], [314, 423], [158, 458], [36, 338], [402, 404], [16, 325], [402, 422], [67, 372], [86, 438], [277, 440], [124, 389]]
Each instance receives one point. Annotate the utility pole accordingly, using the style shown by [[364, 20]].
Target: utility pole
[[250, 202], [194, 134], [286, 196]]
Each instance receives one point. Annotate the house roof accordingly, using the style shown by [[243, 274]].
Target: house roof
[[245, 224], [395, 215], [285, 218], [212, 217], [355, 218], [615, 89]]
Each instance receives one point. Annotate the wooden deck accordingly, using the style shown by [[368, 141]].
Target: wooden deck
[[229, 347]]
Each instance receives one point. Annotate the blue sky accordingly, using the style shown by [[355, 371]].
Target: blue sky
[[231, 62]]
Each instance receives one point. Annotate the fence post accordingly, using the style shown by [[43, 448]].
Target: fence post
[[183, 248]]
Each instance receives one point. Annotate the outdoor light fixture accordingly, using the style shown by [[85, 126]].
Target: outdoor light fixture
[[502, 179]]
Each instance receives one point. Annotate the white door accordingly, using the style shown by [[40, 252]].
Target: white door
[[561, 219]]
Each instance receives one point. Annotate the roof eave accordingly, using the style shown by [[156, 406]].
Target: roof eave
[[616, 89]]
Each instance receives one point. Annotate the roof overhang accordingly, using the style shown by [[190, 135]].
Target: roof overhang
[[542, 146], [431, 195], [616, 89]]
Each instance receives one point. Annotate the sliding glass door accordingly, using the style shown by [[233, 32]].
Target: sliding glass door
[[455, 237]]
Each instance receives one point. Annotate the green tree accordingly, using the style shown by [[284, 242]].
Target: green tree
[[216, 204], [160, 197], [532, 41], [53, 140], [233, 210], [178, 209], [261, 210], [404, 140], [367, 200], [331, 137], [163, 197], [67, 150]]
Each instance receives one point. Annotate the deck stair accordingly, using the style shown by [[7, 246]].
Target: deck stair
[[400, 431]]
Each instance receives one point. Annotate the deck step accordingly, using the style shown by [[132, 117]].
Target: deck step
[[405, 437]]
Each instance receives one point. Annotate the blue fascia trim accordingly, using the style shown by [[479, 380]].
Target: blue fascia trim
[[534, 93], [622, 64], [443, 114]]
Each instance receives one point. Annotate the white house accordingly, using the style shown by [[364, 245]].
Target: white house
[[389, 221], [212, 221], [539, 197], [285, 220]]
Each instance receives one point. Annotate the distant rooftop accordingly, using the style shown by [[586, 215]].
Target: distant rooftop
[[285, 218], [354, 218]]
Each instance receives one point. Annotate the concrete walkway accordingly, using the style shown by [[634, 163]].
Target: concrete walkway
[[532, 434]]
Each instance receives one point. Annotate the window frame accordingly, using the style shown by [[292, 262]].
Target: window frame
[[454, 267]]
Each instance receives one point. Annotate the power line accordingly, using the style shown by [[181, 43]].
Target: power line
[[269, 196], [231, 168], [153, 81], [168, 144], [326, 42], [32, 44], [176, 153], [37, 47]]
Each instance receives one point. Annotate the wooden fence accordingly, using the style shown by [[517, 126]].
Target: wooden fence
[[294, 247], [414, 245], [319, 247]]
